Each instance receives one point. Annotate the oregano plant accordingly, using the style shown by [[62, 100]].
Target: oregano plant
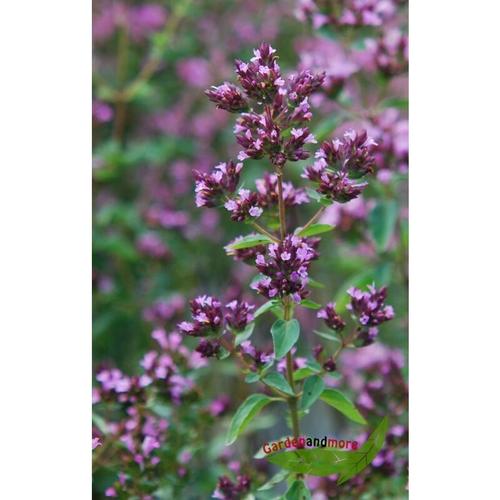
[[273, 112]]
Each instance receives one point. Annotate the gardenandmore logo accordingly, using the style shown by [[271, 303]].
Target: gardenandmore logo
[[309, 442], [324, 461]]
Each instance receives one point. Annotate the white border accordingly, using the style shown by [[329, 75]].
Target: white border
[[45, 207], [454, 252]]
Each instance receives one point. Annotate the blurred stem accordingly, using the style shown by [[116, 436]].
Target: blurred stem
[[314, 218], [120, 95], [345, 342], [154, 60]]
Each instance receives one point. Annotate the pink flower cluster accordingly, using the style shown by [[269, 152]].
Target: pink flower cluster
[[285, 268], [339, 163], [370, 311], [346, 12], [210, 318]]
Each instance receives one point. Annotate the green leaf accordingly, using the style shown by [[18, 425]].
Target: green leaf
[[313, 194], [278, 381], [161, 409], [313, 387], [244, 334], [285, 334], [304, 372], [245, 413], [100, 423], [382, 220], [313, 461], [265, 307], [310, 304], [365, 455], [395, 102], [327, 335], [223, 353], [335, 398], [315, 284], [266, 367], [251, 240], [322, 200], [315, 229], [298, 491], [276, 479], [252, 377]]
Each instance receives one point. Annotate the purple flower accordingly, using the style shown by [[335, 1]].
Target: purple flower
[[338, 187], [261, 77], [339, 162], [149, 444], [208, 349], [258, 356], [244, 206], [346, 13], [298, 362], [151, 244], [370, 311], [110, 492], [390, 129], [344, 216], [164, 309], [238, 314], [353, 154], [293, 147], [222, 180], [195, 71], [96, 442], [285, 268], [267, 189], [219, 406], [207, 315], [146, 19], [228, 97], [101, 112], [329, 56], [228, 490], [329, 365], [283, 105], [303, 84], [332, 319], [389, 54], [258, 135]]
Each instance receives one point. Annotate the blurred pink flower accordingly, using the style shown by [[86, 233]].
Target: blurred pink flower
[[96, 442], [195, 71], [101, 112]]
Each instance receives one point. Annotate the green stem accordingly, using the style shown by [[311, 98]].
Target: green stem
[[281, 203], [314, 218], [287, 315], [264, 231]]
